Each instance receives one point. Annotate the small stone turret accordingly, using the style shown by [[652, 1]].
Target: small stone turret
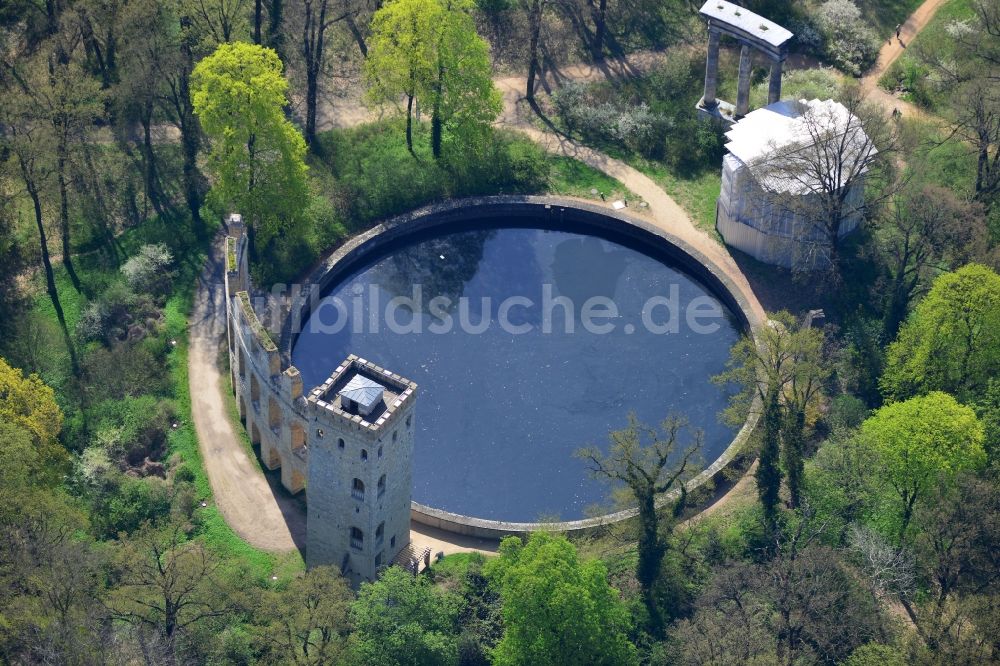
[[360, 453]]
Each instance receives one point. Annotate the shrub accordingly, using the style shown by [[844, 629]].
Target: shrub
[[807, 36], [637, 127], [912, 78], [325, 222], [127, 369], [149, 269], [567, 100], [93, 322], [184, 474], [118, 315], [849, 42], [524, 165], [127, 503], [184, 500], [816, 83], [132, 429]]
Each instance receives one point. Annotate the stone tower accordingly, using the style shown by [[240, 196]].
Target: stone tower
[[360, 442]]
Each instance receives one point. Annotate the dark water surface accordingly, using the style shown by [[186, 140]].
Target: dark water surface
[[500, 412]]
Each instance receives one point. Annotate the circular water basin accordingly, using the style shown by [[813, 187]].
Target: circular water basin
[[528, 342]]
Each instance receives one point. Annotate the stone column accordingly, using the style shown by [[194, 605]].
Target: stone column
[[743, 89], [774, 85], [711, 67]]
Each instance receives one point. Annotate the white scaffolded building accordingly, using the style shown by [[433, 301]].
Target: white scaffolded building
[[769, 200]]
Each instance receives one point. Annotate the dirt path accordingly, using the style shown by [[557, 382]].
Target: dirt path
[[891, 51], [896, 46], [264, 519]]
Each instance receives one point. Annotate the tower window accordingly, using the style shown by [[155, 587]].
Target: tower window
[[358, 489], [392, 542], [340, 441], [409, 418], [395, 433], [381, 485], [379, 533], [364, 454], [378, 560], [357, 539], [380, 452]]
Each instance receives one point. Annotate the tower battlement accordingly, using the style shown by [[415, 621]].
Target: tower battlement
[[327, 404]]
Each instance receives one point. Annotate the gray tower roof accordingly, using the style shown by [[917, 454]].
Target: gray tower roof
[[364, 391]]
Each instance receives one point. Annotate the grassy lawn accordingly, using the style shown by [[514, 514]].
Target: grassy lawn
[[376, 177], [949, 164], [570, 177], [696, 193]]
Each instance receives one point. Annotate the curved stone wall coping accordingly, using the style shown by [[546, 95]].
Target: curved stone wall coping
[[342, 260]]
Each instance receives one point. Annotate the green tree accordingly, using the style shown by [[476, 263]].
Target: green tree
[[989, 413], [557, 609], [257, 155], [401, 54], [534, 11], [403, 620], [51, 581], [428, 50], [956, 545], [463, 99], [643, 459], [789, 355], [32, 148], [308, 620], [966, 66], [29, 403], [168, 584], [924, 232], [315, 23], [768, 474], [70, 102], [922, 443], [951, 341]]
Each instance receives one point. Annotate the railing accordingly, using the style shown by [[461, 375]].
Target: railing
[[357, 544], [358, 494]]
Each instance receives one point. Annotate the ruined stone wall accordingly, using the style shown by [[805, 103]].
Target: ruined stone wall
[[317, 450], [269, 400]]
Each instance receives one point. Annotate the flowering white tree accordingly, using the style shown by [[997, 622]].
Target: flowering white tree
[[849, 42]]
